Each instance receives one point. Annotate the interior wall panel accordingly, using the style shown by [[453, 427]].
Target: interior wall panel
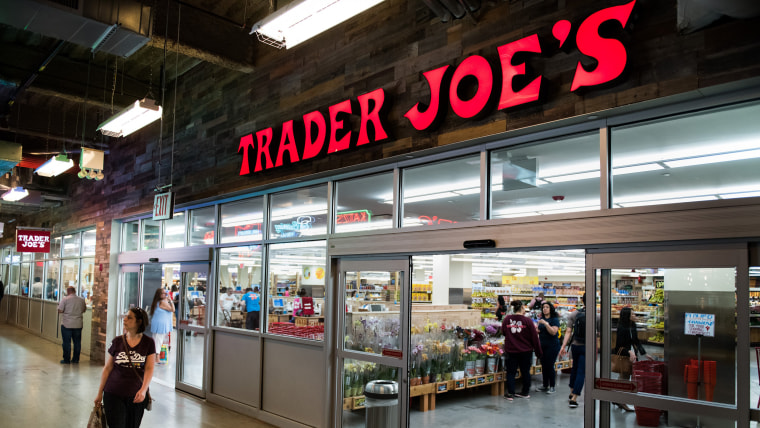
[[235, 372], [294, 373], [50, 320], [22, 317], [35, 316]]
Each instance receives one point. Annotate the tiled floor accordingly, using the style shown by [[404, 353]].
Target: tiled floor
[[37, 391]]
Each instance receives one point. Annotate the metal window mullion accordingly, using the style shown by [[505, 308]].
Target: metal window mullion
[[398, 207], [605, 168], [485, 185], [331, 207]]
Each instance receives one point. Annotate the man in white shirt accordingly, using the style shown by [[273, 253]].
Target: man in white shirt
[[71, 308], [227, 301]]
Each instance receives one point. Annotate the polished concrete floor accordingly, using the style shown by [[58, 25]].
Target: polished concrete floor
[[37, 391]]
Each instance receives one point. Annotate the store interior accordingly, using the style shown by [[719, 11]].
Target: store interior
[[453, 303]]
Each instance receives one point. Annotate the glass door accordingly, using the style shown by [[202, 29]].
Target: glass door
[[129, 292], [192, 328], [372, 363], [677, 324]]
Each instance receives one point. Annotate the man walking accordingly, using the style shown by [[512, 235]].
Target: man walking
[[71, 307], [576, 332]]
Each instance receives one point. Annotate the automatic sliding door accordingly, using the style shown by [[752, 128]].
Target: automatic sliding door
[[192, 328], [685, 310]]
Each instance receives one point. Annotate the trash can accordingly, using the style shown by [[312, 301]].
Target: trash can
[[381, 403]]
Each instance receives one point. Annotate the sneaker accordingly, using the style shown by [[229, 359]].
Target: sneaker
[[542, 389], [65, 362], [573, 404], [509, 397], [521, 395], [550, 390]]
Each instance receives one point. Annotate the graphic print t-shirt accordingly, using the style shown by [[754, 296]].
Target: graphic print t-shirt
[[123, 381]]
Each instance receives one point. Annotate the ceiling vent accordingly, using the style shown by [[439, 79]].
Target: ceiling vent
[[117, 27]]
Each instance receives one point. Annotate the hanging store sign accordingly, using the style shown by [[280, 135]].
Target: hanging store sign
[[163, 206], [318, 134], [32, 241]]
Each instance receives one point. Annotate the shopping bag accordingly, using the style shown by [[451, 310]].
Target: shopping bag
[[97, 417], [621, 363]]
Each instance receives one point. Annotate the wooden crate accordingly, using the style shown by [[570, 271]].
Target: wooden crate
[[348, 403], [500, 376], [460, 383], [471, 382], [444, 386], [428, 388], [358, 402]]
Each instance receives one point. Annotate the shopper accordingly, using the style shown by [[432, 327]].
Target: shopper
[[252, 304], [501, 308], [127, 374], [520, 341], [536, 302], [627, 344], [161, 311], [72, 307], [576, 336], [548, 335], [37, 288], [227, 300]]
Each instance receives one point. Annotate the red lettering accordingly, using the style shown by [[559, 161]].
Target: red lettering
[[314, 146], [264, 138], [245, 142], [609, 53], [378, 96], [336, 145], [287, 144], [421, 121], [510, 98], [478, 67]]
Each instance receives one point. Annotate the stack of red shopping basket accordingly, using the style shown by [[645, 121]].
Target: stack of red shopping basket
[[316, 332], [650, 377], [691, 375]]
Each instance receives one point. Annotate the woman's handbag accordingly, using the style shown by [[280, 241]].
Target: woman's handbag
[[149, 403], [621, 363], [97, 417]]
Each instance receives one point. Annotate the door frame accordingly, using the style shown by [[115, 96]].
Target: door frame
[[716, 256], [397, 263], [184, 270]]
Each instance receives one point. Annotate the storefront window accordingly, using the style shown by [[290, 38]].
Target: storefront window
[[15, 267], [243, 221], [702, 156], [299, 213], [4, 261], [239, 287], [202, 226], [442, 193], [71, 245], [88, 278], [55, 248], [364, 203], [88, 242], [296, 289], [70, 275], [131, 236], [51, 280], [24, 279], [37, 270], [174, 231], [151, 230], [552, 177]]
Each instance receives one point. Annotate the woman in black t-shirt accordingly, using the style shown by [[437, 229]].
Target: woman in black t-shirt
[[501, 308], [124, 383]]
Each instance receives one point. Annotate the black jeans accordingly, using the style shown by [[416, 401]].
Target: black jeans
[[67, 335], [252, 320], [548, 358], [121, 412], [521, 360]]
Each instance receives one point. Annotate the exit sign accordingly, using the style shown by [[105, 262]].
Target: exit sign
[[163, 206]]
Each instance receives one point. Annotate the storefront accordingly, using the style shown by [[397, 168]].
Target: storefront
[[371, 237]]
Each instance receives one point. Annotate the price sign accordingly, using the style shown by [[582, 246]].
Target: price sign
[[700, 325]]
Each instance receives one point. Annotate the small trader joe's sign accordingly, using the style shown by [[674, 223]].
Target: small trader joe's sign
[[32, 241]]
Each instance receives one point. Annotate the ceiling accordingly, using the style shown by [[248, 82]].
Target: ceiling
[[53, 70]]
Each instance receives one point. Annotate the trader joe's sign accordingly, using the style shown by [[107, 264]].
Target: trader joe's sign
[[32, 241], [320, 133]]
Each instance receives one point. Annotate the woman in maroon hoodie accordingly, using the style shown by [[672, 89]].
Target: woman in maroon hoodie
[[520, 341]]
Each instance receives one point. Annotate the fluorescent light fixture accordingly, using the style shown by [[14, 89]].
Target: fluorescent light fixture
[[723, 157], [668, 201], [141, 113], [15, 194], [301, 20], [572, 177], [637, 168], [55, 166]]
